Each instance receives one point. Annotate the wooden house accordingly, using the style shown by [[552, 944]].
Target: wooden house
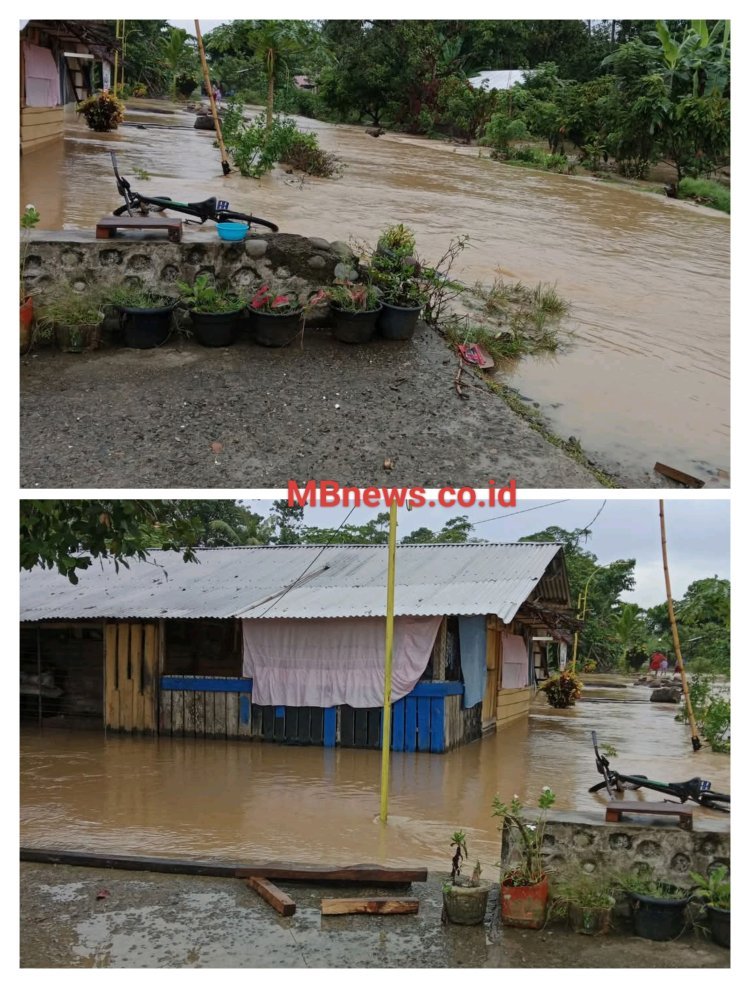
[[61, 63], [286, 643]]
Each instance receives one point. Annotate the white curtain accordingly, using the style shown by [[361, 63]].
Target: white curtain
[[515, 662], [41, 76], [322, 662]]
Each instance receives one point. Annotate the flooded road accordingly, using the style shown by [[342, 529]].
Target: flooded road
[[255, 801], [646, 374]]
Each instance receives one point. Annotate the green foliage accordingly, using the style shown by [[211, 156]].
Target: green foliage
[[204, 296], [643, 882], [712, 711], [705, 192], [62, 305], [102, 111], [562, 690], [579, 888], [525, 862], [303, 153], [136, 297], [713, 888], [353, 298], [69, 535], [225, 523]]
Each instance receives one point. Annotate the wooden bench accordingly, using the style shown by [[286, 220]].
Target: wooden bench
[[685, 813], [109, 225]]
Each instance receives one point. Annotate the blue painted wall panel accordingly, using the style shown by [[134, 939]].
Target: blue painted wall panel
[[423, 723], [437, 724], [244, 710], [205, 684], [329, 727], [398, 713], [410, 724]]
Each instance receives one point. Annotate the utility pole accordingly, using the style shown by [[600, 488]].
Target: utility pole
[[385, 743]]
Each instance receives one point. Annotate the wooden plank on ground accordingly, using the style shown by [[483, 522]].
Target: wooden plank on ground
[[273, 895], [359, 874], [378, 906], [678, 475]]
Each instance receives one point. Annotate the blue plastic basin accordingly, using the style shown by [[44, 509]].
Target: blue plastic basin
[[232, 231]]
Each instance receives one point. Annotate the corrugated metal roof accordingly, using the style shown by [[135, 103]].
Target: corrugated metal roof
[[500, 78], [304, 582]]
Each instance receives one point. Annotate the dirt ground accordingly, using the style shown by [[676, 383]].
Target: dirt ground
[[153, 418], [178, 921]]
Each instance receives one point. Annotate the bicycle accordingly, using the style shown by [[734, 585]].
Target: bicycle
[[698, 790], [209, 209]]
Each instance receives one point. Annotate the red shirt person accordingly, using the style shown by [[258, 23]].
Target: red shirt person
[[656, 660]]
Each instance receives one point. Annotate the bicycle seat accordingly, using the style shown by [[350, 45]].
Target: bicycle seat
[[207, 206]]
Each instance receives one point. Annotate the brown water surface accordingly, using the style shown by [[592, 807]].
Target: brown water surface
[[646, 375], [255, 801]]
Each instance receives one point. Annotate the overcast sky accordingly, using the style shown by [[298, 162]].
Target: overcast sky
[[697, 533]]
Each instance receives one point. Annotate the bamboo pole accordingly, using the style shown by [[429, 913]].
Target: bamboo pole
[[385, 743], [214, 112], [675, 634]]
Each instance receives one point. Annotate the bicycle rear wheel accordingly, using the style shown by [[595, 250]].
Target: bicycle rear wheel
[[244, 218]]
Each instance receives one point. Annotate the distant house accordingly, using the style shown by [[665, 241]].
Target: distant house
[[286, 643], [500, 78], [62, 62], [303, 82]]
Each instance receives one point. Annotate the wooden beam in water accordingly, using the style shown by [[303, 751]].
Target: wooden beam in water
[[360, 874], [380, 907], [273, 895]]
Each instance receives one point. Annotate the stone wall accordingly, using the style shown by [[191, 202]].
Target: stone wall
[[584, 841], [298, 263]]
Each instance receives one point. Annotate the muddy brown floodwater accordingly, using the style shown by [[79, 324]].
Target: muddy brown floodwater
[[255, 801], [646, 374]]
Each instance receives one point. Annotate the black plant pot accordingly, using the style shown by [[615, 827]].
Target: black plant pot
[[398, 322], [215, 328], [718, 923], [274, 328], [146, 328], [657, 919], [354, 327]]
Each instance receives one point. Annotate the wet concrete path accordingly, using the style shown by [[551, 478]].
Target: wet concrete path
[[171, 921], [148, 418]]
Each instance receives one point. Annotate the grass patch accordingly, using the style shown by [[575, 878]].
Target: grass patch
[[500, 344], [525, 310], [706, 193]]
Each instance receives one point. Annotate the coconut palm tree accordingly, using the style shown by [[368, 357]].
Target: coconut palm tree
[[276, 44]]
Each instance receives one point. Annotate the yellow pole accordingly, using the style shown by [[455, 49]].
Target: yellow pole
[[117, 35], [695, 739], [209, 89], [385, 761], [581, 616]]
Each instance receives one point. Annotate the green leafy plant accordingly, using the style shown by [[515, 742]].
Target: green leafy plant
[[102, 111], [705, 192], [141, 174], [64, 306], [303, 153], [204, 296], [138, 297], [280, 302], [528, 868], [643, 882], [353, 298], [579, 888], [713, 888], [29, 219], [562, 690]]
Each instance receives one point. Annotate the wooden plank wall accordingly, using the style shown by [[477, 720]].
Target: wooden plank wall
[[131, 663], [207, 714], [512, 704], [40, 125]]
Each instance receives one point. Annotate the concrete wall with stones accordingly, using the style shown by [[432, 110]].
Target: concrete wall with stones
[[585, 842], [298, 263]]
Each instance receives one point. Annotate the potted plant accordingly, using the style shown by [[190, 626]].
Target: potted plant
[[29, 220], [464, 899], [355, 310], [586, 900], [524, 886], [214, 313], [74, 317], [275, 316], [102, 111], [394, 270], [145, 315], [657, 907], [562, 690], [713, 890]]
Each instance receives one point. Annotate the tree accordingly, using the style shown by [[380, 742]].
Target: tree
[[180, 56], [69, 535], [225, 523]]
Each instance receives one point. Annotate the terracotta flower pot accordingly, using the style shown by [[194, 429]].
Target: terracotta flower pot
[[524, 905], [27, 321]]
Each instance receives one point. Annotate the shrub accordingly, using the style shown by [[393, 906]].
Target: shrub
[[256, 148], [102, 112], [305, 154], [705, 192]]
